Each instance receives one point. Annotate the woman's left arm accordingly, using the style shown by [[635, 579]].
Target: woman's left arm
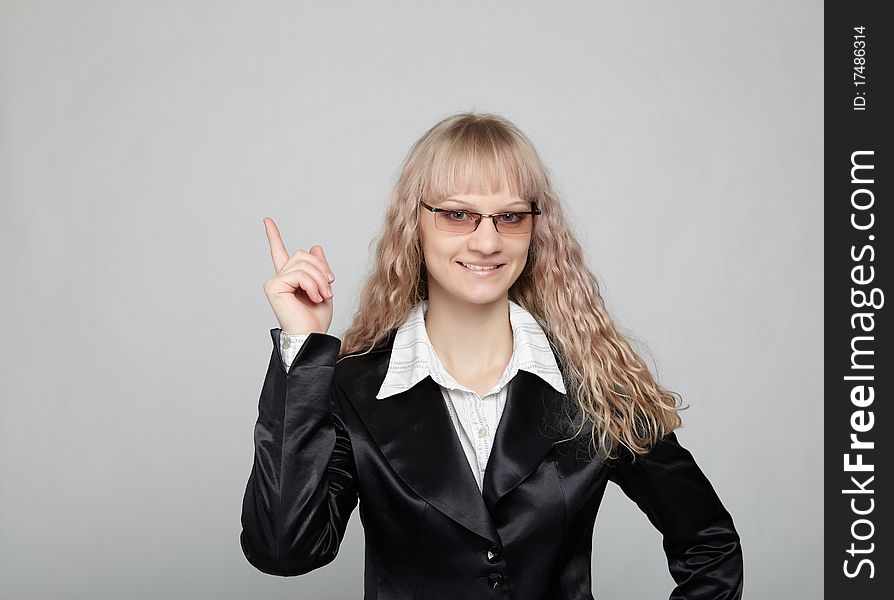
[[701, 543]]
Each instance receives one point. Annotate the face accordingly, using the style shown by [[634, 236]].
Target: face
[[446, 252]]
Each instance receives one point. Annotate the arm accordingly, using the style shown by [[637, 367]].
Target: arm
[[701, 543], [303, 483]]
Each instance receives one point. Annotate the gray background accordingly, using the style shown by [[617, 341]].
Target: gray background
[[143, 143]]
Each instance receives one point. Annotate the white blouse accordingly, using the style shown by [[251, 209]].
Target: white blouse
[[475, 418]]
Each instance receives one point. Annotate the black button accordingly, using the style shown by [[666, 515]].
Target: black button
[[494, 554], [495, 580]]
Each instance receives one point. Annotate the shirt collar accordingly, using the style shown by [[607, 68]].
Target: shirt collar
[[413, 358]]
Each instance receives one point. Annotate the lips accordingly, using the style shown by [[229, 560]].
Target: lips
[[485, 270]]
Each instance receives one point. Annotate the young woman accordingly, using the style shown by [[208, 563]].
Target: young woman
[[478, 404]]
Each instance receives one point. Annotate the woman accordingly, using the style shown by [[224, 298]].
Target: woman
[[478, 404]]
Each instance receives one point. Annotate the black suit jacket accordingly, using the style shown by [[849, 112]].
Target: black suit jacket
[[323, 440]]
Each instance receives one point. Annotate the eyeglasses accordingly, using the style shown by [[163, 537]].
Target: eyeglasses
[[464, 221]]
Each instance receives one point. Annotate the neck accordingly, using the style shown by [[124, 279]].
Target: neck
[[470, 338]]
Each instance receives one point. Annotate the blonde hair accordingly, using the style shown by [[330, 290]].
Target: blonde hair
[[619, 401]]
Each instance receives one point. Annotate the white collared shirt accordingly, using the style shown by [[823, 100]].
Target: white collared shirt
[[475, 418]]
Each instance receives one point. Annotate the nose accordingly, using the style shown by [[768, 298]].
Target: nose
[[486, 239]]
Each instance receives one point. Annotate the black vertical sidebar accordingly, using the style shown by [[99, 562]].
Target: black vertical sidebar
[[858, 370]]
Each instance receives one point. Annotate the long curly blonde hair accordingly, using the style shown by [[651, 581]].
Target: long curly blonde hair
[[619, 400]]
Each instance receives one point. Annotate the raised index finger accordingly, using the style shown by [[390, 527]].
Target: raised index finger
[[278, 251]]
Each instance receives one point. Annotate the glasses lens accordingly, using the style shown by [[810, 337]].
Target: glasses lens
[[456, 221], [459, 221], [513, 223]]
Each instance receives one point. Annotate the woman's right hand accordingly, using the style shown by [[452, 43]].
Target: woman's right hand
[[301, 292]]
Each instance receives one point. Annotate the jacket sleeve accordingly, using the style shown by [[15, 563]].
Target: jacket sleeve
[[700, 540], [303, 483]]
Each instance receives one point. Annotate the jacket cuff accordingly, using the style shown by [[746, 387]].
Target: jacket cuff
[[318, 350]]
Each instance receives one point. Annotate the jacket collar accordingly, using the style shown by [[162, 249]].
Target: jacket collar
[[413, 358], [414, 433]]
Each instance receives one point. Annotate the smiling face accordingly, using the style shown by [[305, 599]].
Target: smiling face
[[446, 253]]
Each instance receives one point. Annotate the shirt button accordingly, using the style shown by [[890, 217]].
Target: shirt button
[[286, 342], [494, 554], [482, 432]]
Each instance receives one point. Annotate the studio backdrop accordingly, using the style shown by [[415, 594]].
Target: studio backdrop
[[142, 144]]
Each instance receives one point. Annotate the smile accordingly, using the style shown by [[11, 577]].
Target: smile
[[480, 271]]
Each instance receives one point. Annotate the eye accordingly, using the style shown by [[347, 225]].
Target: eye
[[457, 215], [510, 218]]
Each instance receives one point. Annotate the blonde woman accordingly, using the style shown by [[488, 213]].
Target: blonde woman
[[478, 404]]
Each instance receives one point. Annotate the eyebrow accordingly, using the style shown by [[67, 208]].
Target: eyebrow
[[464, 203]]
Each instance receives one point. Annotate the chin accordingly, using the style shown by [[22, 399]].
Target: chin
[[483, 292]]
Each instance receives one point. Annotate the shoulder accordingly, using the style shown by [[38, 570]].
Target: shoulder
[[351, 366], [666, 449]]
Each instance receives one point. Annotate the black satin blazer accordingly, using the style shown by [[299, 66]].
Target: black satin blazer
[[323, 440]]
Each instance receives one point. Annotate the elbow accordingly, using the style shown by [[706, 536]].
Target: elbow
[[270, 559], [711, 567], [736, 571]]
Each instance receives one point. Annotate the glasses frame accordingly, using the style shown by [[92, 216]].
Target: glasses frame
[[534, 211]]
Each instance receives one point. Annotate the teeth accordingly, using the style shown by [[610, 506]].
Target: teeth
[[479, 268]]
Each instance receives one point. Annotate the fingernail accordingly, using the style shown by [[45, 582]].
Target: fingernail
[[331, 276]]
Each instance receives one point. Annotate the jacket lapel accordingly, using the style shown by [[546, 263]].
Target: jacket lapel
[[414, 432], [530, 425]]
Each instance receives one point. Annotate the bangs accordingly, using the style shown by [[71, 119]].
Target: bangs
[[483, 160]]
